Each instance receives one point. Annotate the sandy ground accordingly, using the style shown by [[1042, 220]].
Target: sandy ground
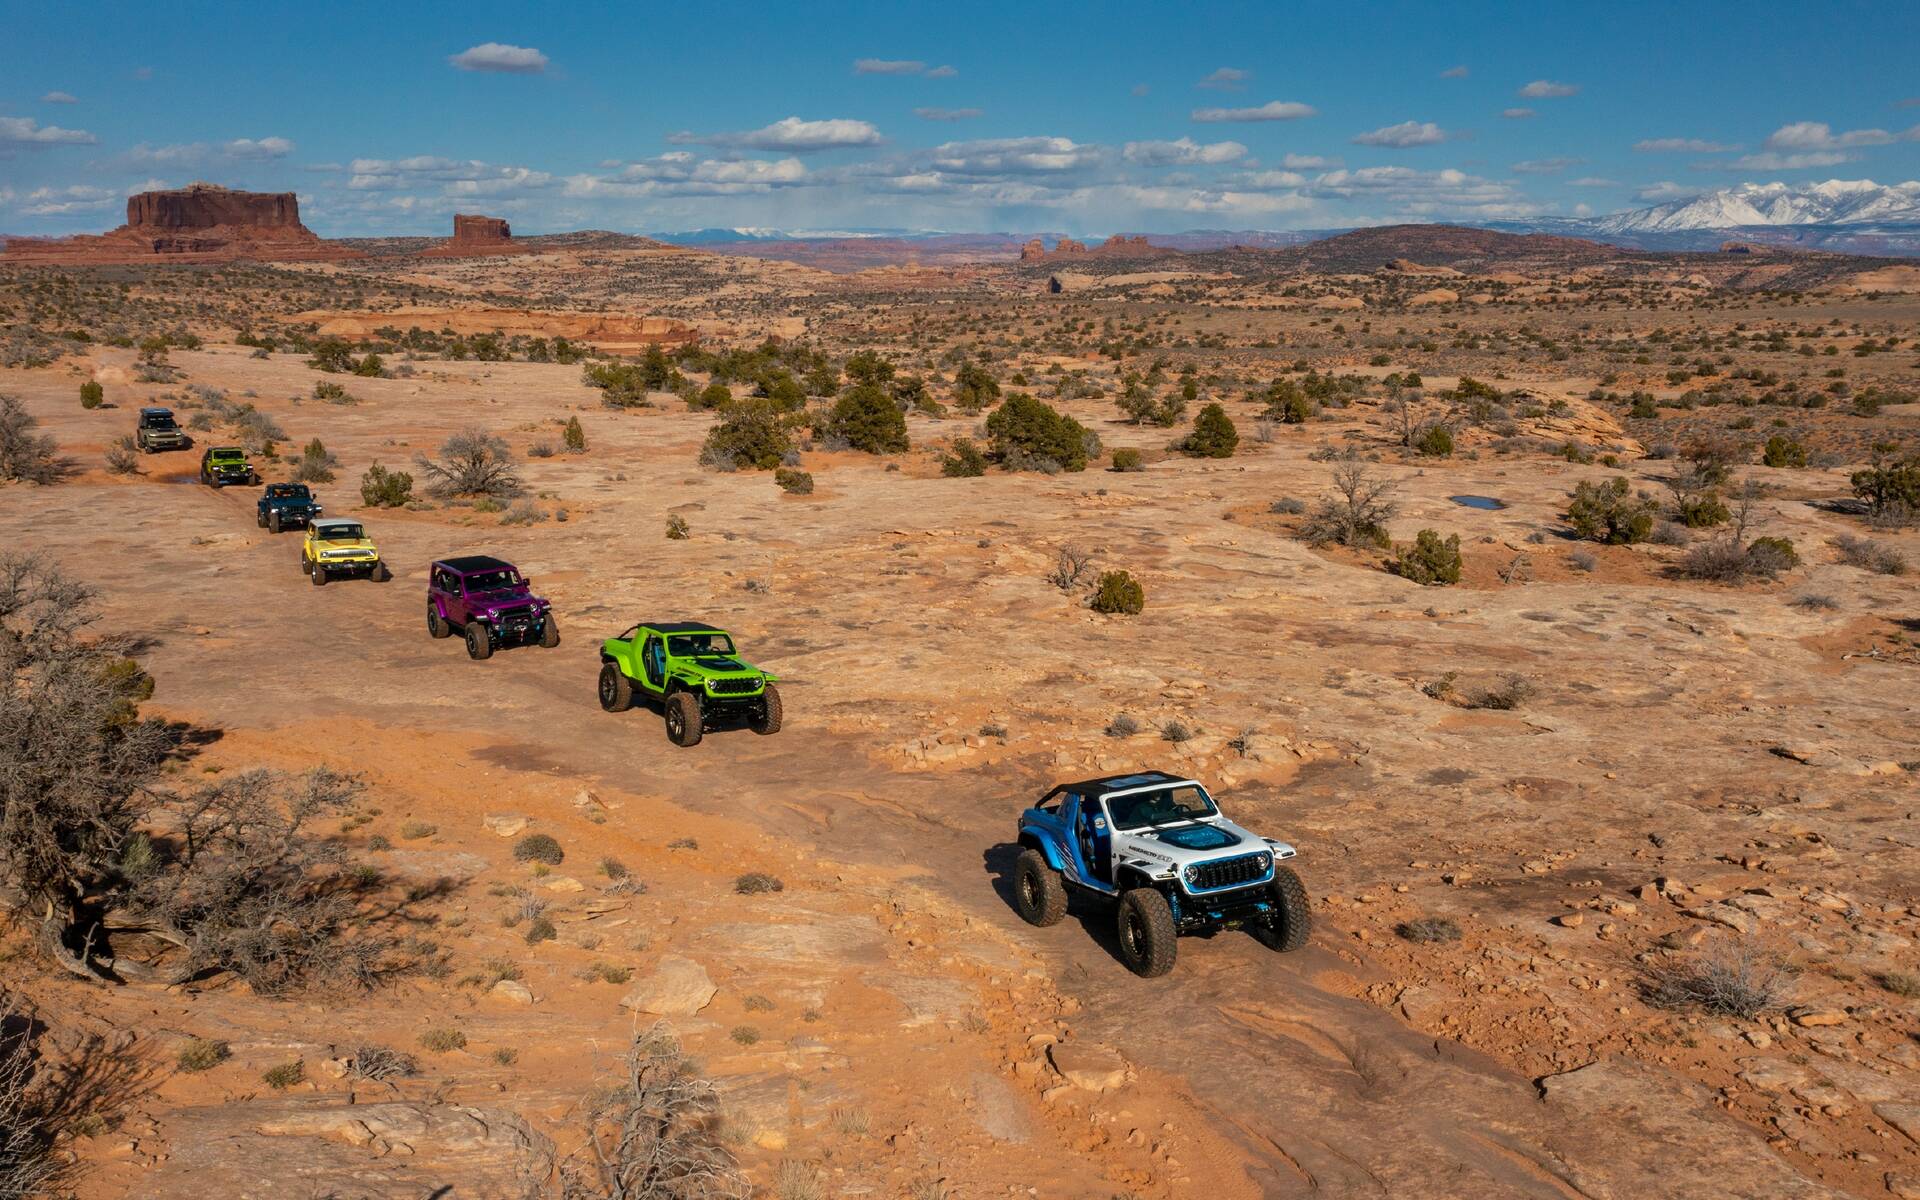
[[1695, 764]]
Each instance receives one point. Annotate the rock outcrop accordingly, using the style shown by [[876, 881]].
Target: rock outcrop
[[198, 223], [476, 235], [1117, 246]]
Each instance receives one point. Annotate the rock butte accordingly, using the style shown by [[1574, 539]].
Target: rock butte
[[476, 235], [1117, 246], [201, 222]]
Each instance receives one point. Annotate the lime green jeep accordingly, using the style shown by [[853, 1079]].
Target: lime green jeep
[[692, 672]]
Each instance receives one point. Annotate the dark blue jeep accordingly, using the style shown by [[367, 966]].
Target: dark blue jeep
[[286, 506]]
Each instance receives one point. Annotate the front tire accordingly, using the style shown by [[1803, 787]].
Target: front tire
[[380, 573], [306, 565], [479, 641], [1147, 936], [1037, 890], [550, 633], [260, 519], [1291, 921], [319, 575], [768, 719], [616, 690], [437, 626], [683, 719], [273, 522]]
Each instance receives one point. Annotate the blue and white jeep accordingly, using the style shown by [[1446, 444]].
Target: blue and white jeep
[[1158, 846]]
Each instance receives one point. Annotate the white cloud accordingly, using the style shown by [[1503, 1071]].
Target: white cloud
[[1226, 79], [942, 73], [1546, 166], [500, 58], [947, 114], [1772, 160], [1184, 152], [1818, 135], [1407, 192], [1665, 190], [1543, 89], [1139, 89], [165, 156], [1308, 162], [1272, 110], [1210, 200], [25, 131], [1015, 156], [454, 177], [900, 66], [1593, 181], [1675, 145], [1403, 135], [1518, 114], [680, 167], [792, 133], [264, 148], [59, 98], [1269, 181], [55, 201], [1455, 73]]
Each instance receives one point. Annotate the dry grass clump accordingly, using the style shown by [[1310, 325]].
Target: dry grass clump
[[1429, 929], [1734, 982], [1870, 555], [756, 883]]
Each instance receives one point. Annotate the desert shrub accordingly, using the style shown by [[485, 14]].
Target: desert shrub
[[1127, 459], [756, 883], [540, 848], [123, 455], [1435, 442], [1900, 983], [415, 830], [332, 393], [1358, 514], [1429, 929], [381, 488], [867, 417], [443, 1039], [472, 462], [1583, 560], [964, 461], [1729, 560], [794, 480], [1123, 726], [653, 1133], [974, 388], [1783, 451], [25, 456], [751, 434], [92, 395], [574, 437], [315, 464], [1213, 434], [379, 1063], [1701, 510], [715, 395], [523, 512], [1870, 555], [540, 929], [1610, 512], [1025, 430], [1287, 506], [541, 448], [1119, 592], [1429, 560], [1176, 731], [677, 528], [1289, 404], [1736, 982], [201, 1054], [284, 1076], [1886, 486], [1510, 693]]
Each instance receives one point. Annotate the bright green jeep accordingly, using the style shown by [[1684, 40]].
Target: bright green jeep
[[693, 673]]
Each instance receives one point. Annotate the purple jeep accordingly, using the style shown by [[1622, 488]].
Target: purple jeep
[[488, 601]]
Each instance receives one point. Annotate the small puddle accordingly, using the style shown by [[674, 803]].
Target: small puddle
[[1486, 502]]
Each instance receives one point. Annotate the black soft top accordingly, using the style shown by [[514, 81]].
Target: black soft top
[[470, 563], [1108, 784], [679, 627]]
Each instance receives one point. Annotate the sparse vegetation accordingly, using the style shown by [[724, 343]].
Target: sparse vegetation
[[1119, 593], [1358, 513], [201, 1054], [1738, 981], [1213, 435], [539, 848], [757, 883], [1029, 434], [963, 461], [654, 1133], [472, 462], [381, 488], [1870, 555], [25, 456], [1610, 512], [1429, 929], [1429, 560]]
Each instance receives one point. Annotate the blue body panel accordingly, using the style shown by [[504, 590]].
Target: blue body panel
[[1054, 832]]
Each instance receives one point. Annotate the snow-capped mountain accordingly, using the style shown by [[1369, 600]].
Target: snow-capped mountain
[[1835, 202]]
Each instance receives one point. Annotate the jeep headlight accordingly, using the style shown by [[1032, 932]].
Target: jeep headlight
[[1265, 861], [1191, 875]]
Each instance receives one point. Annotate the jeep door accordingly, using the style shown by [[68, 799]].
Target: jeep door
[[1092, 839], [653, 663]]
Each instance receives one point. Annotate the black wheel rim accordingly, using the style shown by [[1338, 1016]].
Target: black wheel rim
[[676, 727], [606, 688], [1130, 934], [1029, 891]]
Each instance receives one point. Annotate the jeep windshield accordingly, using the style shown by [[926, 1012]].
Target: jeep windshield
[[700, 645], [157, 421], [231, 458], [1162, 806], [491, 581], [340, 533], [287, 491]]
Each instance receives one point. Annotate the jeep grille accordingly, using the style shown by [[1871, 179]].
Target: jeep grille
[[1227, 872], [734, 686], [516, 620]]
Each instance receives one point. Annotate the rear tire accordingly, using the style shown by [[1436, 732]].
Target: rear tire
[[683, 719], [616, 690], [1147, 935], [768, 719], [1037, 890], [1291, 922], [479, 641], [437, 626], [550, 633]]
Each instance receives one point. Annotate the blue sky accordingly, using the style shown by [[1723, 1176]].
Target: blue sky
[[387, 118]]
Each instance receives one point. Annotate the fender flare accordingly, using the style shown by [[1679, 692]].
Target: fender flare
[[1045, 845]]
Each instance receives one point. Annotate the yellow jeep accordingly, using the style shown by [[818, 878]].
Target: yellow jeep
[[337, 546]]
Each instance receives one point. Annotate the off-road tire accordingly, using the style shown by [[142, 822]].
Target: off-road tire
[[259, 518], [767, 719], [306, 565], [479, 641], [550, 633], [683, 719], [273, 522], [1037, 891], [437, 626], [1148, 939], [381, 573], [319, 575], [616, 690], [1292, 920]]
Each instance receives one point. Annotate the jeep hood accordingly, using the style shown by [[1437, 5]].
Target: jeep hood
[[361, 544], [1200, 841], [721, 665]]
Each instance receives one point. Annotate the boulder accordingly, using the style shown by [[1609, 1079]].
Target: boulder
[[678, 987], [1088, 1066]]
